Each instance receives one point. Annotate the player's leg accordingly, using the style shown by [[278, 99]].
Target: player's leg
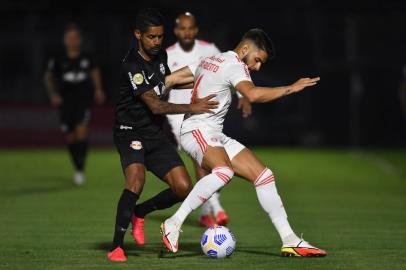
[[212, 205], [81, 130], [132, 162], [80, 149], [205, 219], [67, 118], [247, 165], [213, 158], [164, 161]]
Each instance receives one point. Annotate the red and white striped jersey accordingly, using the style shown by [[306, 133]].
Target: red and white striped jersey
[[218, 74]]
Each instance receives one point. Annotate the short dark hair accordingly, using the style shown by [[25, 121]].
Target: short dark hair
[[148, 17], [261, 40]]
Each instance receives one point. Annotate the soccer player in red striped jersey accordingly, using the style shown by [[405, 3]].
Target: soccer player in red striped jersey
[[202, 138]]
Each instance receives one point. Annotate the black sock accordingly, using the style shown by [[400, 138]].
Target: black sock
[[73, 151], [163, 200], [81, 153], [124, 212]]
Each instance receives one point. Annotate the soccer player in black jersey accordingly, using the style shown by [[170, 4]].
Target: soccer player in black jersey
[[138, 135], [73, 82]]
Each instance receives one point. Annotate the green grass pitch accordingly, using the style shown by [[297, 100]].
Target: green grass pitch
[[351, 203]]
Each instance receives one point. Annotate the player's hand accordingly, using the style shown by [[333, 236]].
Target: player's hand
[[56, 100], [245, 106], [302, 83], [99, 97], [204, 105]]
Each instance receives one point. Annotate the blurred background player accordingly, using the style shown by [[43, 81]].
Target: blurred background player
[[186, 50], [73, 81]]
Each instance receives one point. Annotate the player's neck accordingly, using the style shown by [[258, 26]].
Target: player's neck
[[73, 53], [144, 54], [187, 48]]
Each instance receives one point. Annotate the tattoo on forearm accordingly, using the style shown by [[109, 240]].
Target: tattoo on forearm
[[158, 106]]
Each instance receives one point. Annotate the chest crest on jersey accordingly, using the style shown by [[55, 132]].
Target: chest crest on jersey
[[162, 68]]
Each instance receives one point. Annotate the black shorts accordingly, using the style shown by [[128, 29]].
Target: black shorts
[[157, 154], [72, 114]]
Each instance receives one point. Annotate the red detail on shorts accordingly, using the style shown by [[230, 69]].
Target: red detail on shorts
[[194, 92], [201, 136], [203, 146]]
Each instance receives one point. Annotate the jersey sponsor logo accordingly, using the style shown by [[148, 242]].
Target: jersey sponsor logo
[[162, 68], [132, 81], [125, 127], [136, 145], [138, 78], [150, 76], [213, 139], [74, 77]]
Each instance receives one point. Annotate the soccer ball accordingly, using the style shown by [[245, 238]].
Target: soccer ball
[[218, 242]]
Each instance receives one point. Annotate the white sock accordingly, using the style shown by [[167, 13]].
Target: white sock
[[203, 190], [206, 208], [215, 203], [272, 204]]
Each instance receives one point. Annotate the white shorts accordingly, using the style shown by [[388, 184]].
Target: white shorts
[[195, 143]]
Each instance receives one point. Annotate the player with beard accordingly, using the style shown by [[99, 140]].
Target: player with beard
[[138, 135], [202, 138]]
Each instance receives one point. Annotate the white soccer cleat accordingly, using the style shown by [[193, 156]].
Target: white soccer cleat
[[79, 178], [302, 249], [170, 234]]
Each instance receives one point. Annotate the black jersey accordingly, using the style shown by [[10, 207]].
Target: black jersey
[[137, 77], [73, 79]]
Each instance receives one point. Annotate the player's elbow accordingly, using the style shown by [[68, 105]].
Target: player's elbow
[[252, 97]]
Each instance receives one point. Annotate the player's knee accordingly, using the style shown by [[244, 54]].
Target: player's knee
[[135, 179], [183, 188], [225, 173], [265, 177]]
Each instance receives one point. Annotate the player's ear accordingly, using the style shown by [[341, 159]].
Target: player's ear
[[137, 34], [245, 49], [197, 30]]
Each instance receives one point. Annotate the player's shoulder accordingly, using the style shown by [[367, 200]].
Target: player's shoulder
[[172, 48], [231, 58], [203, 42]]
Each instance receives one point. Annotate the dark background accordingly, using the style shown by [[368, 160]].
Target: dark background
[[357, 47]]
